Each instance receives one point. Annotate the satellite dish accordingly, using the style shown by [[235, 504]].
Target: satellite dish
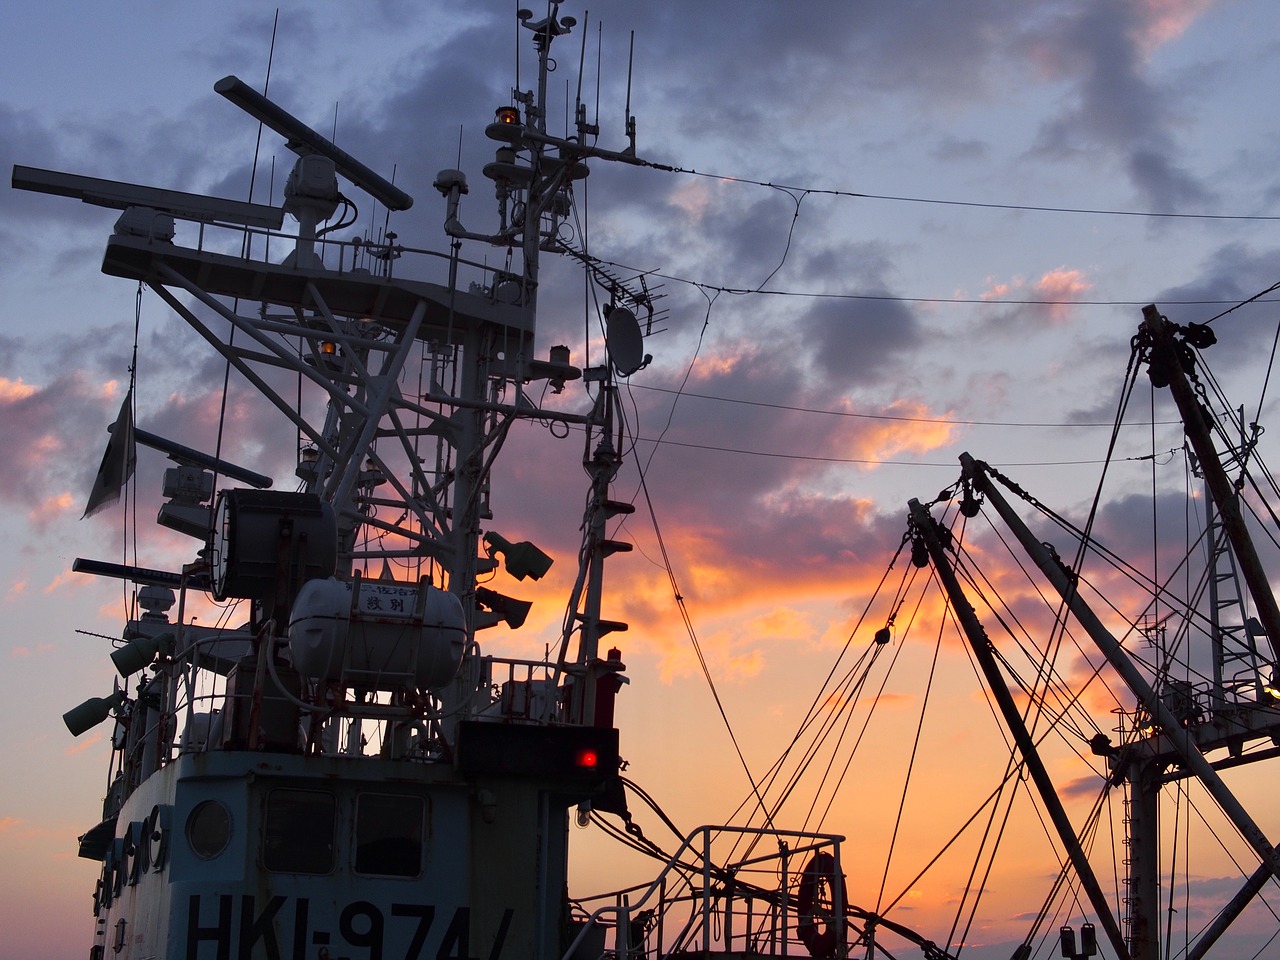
[[623, 341]]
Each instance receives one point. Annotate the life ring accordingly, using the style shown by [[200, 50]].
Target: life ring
[[819, 928]]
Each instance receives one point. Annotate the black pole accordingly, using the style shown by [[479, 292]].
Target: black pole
[[982, 650]]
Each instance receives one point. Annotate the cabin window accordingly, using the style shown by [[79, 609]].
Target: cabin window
[[208, 829], [389, 833], [298, 834]]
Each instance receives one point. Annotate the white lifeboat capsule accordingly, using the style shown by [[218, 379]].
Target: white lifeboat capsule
[[375, 634]]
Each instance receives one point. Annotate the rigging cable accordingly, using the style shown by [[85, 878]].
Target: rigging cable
[[666, 560], [846, 692], [949, 421], [1053, 726], [131, 450], [666, 168], [894, 298], [245, 249], [697, 648], [1015, 766], [911, 762], [1257, 296], [851, 692]]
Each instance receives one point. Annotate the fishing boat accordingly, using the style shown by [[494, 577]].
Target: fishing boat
[[333, 765]]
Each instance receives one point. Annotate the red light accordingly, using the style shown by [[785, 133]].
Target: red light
[[587, 759]]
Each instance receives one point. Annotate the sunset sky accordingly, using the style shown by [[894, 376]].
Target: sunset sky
[[899, 231]]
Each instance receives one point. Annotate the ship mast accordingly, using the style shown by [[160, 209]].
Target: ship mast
[[1166, 364], [1181, 730]]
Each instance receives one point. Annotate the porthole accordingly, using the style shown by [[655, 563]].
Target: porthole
[[208, 829], [157, 836]]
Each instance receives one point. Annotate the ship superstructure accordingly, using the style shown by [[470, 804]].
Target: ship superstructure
[[344, 772]]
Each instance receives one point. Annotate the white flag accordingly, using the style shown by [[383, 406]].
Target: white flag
[[117, 463]]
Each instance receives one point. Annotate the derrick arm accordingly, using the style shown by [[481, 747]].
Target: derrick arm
[[1179, 737], [925, 528]]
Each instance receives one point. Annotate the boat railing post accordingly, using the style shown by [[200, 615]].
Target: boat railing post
[[706, 892], [175, 671], [782, 905], [729, 889], [622, 945], [662, 912], [837, 902]]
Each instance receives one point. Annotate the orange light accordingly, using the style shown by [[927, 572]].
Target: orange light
[[328, 347], [508, 115]]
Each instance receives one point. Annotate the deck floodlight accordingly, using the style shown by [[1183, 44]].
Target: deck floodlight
[[521, 559], [511, 610], [92, 712], [140, 651]]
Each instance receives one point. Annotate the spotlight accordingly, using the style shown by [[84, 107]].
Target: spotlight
[[92, 712], [511, 610], [140, 651], [521, 559]]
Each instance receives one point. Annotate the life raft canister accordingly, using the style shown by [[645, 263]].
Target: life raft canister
[[819, 928]]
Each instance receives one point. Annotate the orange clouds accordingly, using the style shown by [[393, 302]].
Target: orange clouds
[[52, 507], [14, 390], [64, 580], [1166, 20], [23, 652], [84, 743], [693, 197], [1058, 289], [910, 427]]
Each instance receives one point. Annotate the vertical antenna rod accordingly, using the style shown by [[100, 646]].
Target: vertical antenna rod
[[582, 59], [631, 121]]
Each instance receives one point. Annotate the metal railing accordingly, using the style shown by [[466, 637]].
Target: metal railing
[[743, 904]]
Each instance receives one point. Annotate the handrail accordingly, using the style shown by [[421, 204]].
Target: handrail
[[619, 912]]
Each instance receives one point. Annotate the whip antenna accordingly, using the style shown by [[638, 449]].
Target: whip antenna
[[631, 121]]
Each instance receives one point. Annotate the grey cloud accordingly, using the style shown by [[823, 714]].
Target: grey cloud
[[950, 149], [1116, 106], [1234, 272], [859, 342]]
